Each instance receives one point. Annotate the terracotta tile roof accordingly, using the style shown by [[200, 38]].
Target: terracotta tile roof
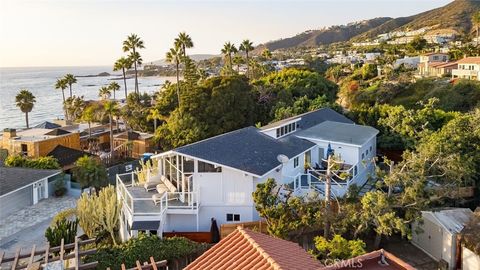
[[371, 261], [469, 60], [448, 64], [432, 53], [436, 64], [246, 249]]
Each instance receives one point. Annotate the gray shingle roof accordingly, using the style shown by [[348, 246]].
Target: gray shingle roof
[[47, 125], [66, 155], [339, 132], [313, 118], [246, 149], [15, 178]]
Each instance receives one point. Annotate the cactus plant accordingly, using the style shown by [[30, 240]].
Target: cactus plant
[[64, 228]]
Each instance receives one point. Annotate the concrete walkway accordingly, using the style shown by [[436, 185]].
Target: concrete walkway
[[30, 216]]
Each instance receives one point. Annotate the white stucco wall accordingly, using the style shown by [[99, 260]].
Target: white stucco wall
[[470, 260]]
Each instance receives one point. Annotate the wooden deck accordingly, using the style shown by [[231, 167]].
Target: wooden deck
[[146, 204]]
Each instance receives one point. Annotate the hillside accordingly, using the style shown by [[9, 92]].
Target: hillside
[[455, 17], [329, 35], [195, 57]]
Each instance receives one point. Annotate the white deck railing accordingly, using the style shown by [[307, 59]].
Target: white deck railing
[[311, 180], [145, 205]]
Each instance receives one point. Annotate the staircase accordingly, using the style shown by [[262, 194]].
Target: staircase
[[369, 185]]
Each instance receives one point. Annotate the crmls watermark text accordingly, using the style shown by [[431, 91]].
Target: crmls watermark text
[[350, 263]]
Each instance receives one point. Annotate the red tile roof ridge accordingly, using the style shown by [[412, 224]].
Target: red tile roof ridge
[[265, 255]]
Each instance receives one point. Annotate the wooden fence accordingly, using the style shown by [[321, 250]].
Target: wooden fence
[[199, 237], [226, 229]]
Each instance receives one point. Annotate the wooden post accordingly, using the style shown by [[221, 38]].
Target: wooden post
[[62, 250], [77, 258], [47, 248], [15, 261], [154, 264], [32, 256]]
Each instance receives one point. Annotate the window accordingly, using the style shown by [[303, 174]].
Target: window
[[278, 132], [295, 162], [367, 153], [371, 148], [355, 170], [24, 149], [363, 155], [187, 165], [207, 167], [233, 217], [289, 128], [308, 157]]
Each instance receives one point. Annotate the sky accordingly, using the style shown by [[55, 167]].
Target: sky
[[90, 32]]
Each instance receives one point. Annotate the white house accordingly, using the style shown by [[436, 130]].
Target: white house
[[438, 234], [468, 68], [215, 178]]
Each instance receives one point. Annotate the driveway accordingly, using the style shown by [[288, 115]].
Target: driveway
[[27, 226]]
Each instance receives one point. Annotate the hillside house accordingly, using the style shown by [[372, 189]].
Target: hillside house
[[215, 178], [429, 63], [468, 68]]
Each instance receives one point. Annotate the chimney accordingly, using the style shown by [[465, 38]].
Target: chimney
[[9, 133]]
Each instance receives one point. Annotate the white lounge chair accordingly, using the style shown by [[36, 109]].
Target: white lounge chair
[[151, 185], [165, 186]]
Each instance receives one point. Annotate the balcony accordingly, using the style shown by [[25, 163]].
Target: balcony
[[139, 202], [341, 180], [462, 73]]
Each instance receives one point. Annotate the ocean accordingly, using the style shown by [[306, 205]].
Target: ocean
[[41, 82]]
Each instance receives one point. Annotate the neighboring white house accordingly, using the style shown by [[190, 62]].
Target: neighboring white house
[[468, 68], [215, 178], [407, 61], [22, 187], [439, 233]]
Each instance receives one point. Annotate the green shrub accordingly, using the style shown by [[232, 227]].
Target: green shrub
[[142, 248], [34, 163]]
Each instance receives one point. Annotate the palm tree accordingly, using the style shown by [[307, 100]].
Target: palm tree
[[183, 41], [173, 56], [123, 64], [25, 101], [104, 92], [114, 86], [88, 115], [70, 79], [137, 60], [154, 115], [62, 84], [238, 60], [229, 49], [267, 54], [246, 46], [74, 107], [476, 22], [110, 108], [131, 44]]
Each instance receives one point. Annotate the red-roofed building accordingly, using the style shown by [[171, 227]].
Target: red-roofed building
[[435, 64], [468, 68], [246, 249]]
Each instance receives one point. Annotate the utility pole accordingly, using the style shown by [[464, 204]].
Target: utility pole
[[328, 192]]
